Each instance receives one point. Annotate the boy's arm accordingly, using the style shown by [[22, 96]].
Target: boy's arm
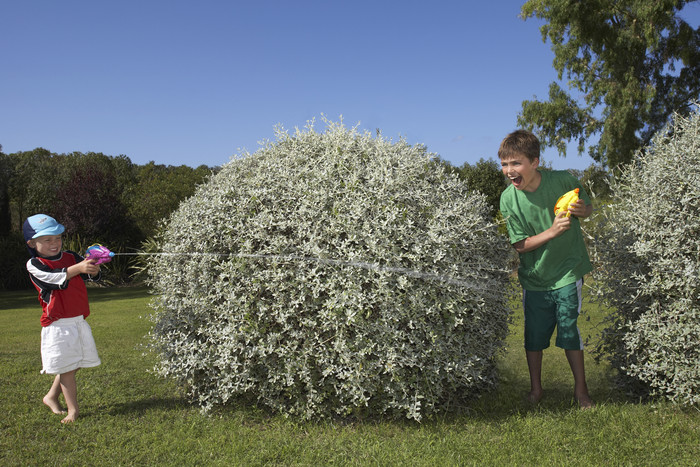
[[44, 277], [86, 266], [52, 279], [560, 225]]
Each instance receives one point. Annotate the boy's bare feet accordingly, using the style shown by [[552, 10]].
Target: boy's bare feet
[[70, 418], [533, 397], [584, 402], [53, 405]]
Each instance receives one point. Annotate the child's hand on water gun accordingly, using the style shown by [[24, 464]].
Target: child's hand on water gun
[[99, 253], [578, 208], [566, 201], [88, 266], [562, 223]]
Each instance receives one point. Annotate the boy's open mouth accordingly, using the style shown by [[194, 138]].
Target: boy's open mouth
[[517, 180]]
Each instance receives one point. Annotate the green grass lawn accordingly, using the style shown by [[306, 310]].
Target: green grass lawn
[[131, 417]]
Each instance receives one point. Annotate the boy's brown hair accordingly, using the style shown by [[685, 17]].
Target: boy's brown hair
[[520, 142]]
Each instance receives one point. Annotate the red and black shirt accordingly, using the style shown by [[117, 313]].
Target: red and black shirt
[[59, 298]]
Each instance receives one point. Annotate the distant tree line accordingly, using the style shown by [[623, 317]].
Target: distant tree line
[[98, 198]]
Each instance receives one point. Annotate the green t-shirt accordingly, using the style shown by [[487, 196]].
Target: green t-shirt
[[562, 260]]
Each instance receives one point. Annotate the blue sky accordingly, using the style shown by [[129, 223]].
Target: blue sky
[[185, 82]]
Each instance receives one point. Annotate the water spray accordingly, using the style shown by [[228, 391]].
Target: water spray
[[102, 254]]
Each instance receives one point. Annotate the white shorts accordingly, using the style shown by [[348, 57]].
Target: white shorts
[[66, 345]]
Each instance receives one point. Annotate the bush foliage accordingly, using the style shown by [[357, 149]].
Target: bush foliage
[[649, 255], [331, 274]]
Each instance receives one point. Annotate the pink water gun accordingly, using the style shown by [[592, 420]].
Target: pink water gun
[[99, 252]]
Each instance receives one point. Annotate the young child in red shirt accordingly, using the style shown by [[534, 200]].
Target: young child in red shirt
[[66, 338]]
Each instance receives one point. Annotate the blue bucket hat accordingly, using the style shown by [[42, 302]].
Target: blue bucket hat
[[39, 225]]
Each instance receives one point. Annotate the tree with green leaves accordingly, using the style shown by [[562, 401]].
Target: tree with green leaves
[[35, 177], [159, 189], [90, 204], [485, 177], [5, 175], [630, 63]]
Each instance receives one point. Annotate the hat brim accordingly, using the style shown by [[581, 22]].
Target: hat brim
[[57, 230]]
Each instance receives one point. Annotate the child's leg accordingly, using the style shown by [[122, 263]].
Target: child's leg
[[534, 365], [540, 322], [51, 397], [570, 301], [70, 393], [575, 358]]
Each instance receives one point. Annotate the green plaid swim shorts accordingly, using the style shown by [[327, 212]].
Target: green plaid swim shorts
[[549, 309]]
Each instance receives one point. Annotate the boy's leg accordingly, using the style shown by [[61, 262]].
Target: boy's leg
[[540, 321], [70, 393], [51, 397], [534, 365], [570, 301], [575, 358]]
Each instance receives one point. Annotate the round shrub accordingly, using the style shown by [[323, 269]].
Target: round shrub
[[649, 256], [330, 274]]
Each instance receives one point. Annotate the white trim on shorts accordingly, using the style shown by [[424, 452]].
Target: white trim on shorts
[[66, 345]]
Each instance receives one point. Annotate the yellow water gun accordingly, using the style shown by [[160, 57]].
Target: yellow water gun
[[565, 200]]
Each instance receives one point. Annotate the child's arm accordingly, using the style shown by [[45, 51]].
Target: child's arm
[[86, 266], [560, 225], [48, 279]]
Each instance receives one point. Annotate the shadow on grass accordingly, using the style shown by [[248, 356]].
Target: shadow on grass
[[492, 407], [101, 294], [25, 298], [502, 404], [152, 404]]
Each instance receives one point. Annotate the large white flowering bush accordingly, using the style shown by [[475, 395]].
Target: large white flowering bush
[[328, 274], [649, 256]]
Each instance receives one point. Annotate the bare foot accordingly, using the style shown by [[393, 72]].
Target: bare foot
[[70, 418], [533, 397], [53, 405], [584, 402]]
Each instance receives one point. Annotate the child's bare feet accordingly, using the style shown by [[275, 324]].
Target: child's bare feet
[[584, 402], [53, 405], [70, 418], [533, 397]]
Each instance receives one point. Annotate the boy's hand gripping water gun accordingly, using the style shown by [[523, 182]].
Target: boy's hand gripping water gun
[[565, 201], [100, 253]]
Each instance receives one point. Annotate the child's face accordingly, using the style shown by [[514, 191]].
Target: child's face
[[47, 245], [522, 172]]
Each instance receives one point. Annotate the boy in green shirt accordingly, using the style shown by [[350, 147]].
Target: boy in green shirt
[[553, 256]]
